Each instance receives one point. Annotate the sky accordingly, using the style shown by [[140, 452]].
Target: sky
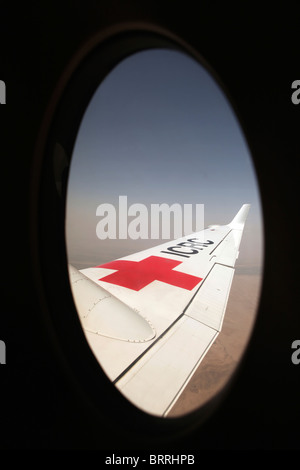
[[159, 129]]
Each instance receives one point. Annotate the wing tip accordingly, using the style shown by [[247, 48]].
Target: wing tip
[[239, 220]]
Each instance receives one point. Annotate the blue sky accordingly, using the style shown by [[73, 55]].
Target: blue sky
[[159, 130]]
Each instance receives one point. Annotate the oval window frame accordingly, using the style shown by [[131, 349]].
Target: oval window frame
[[57, 138]]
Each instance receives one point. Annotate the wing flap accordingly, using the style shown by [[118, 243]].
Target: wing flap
[[227, 252], [209, 305], [157, 379]]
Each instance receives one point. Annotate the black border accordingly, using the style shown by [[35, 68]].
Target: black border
[[255, 53], [60, 311]]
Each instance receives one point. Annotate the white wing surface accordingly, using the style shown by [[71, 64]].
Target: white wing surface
[[151, 317]]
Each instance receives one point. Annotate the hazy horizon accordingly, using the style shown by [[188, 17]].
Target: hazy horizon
[[159, 130]]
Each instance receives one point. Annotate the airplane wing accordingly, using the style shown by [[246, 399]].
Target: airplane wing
[[151, 317]]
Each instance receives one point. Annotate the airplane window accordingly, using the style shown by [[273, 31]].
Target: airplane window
[[164, 232]]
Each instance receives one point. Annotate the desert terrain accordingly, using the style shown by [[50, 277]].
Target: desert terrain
[[223, 356]]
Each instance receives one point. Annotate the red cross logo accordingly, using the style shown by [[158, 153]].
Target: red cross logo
[[137, 274]]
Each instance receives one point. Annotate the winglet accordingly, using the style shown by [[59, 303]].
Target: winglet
[[239, 220]]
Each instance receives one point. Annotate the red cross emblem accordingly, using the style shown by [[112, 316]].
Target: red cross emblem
[[137, 274]]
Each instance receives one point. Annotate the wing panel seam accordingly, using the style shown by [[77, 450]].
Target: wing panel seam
[[220, 241]]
